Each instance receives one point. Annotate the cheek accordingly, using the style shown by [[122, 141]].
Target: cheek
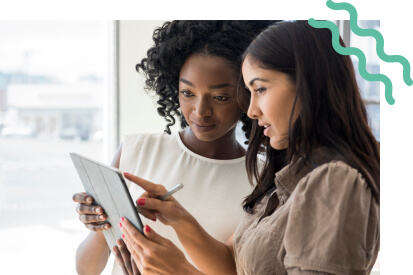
[[279, 115], [231, 113]]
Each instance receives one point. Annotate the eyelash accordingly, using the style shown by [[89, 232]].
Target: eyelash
[[225, 98], [186, 93], [219, 98], [260, 90]]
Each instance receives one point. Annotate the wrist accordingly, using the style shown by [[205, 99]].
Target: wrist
[[190, 269], [98, 238], [186, 224]]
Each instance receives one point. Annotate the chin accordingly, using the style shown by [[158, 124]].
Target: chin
[[278, 144], [209, 136], [214, 134], [205, 136]]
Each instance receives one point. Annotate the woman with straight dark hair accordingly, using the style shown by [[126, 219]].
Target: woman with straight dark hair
[[320, 215]]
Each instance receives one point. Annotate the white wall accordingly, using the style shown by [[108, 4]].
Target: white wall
[[137, 109]]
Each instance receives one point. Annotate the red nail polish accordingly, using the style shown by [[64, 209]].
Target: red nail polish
[[147, 229], [154, 220], [120, 225], [122, 219], [123, 236], [126, 174], [141, 201]]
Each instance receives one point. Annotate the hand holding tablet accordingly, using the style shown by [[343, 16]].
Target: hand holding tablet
[[108, 188]]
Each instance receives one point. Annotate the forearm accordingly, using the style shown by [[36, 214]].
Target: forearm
[[208, 254], [92, 254]]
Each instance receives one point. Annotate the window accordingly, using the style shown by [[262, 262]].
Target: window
[[52, 93], [370, 90]]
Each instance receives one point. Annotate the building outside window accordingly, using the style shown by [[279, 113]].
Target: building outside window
[[52, 90]]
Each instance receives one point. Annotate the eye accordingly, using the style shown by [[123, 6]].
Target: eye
[[260, 90], [186, 93], [222, 98]]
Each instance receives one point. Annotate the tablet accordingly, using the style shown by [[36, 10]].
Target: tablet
[[108, 188]]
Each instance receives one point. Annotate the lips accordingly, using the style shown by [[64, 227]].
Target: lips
[[266, 129], [202, 127], [203, 124]]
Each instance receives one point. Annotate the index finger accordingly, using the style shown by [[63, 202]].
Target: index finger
[[152, 188], [82, 198]]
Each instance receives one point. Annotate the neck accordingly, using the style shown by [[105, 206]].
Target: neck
[[225, 147]]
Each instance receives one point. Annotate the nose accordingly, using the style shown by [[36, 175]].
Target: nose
[[254, 111], [202, 107]]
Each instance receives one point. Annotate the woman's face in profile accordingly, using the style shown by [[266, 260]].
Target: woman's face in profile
[[208, 96], [272, 100]]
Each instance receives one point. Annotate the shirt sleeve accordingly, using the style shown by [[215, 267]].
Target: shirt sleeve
[[329, 222]]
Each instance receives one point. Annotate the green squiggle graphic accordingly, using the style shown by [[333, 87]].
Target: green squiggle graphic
[[357, 52], [377, 35]]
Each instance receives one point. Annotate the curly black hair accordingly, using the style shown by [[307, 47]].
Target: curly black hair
[[177, 40]]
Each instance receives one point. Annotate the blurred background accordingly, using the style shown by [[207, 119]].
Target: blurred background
[[71, 86]]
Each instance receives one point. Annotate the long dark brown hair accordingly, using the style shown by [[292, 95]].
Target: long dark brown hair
[[332, 114]]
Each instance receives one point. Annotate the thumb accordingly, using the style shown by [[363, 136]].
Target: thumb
[[153, 236]]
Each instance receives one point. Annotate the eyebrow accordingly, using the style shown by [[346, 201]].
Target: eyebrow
[[223, 85], [259, 79]]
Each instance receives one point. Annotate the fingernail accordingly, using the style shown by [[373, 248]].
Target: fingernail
[[147, 229], [122, 219], [89, 200], [107, 226], [123, 236], [120, 225], [141, 201], [101, 217], [126, 174], [97, 209], [154, 220]]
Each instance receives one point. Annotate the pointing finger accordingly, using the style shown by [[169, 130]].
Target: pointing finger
[[155, 189]]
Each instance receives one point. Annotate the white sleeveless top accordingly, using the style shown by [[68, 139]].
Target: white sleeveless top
[[213, 189]]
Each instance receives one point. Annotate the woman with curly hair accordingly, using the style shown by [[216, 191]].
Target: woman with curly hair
[[194, 69], [320, 214]]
